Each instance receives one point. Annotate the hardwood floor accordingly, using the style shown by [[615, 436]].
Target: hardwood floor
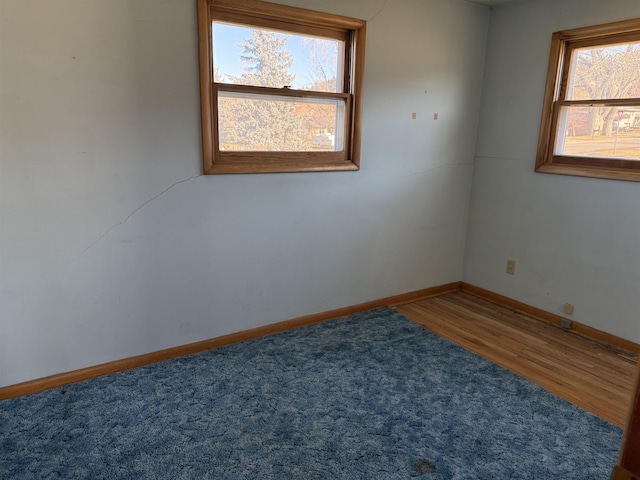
[[596, 377]]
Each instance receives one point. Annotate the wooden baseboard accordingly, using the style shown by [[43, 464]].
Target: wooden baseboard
[[41, 384], [577, 327]]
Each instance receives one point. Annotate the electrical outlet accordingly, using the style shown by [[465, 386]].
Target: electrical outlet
[[511, 267], [568, 308]]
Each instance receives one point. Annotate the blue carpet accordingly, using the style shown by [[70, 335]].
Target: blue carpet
[[370, 396]]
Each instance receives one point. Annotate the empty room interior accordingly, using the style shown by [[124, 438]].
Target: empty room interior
[[134, 231]]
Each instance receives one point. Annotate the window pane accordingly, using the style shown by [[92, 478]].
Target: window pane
[[266, 58], [254, 122], [597, 131], [609, 71]]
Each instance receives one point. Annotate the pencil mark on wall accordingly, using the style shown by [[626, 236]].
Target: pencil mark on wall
[[133, 212]]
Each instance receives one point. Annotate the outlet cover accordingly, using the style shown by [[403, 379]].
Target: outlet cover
[[511, 267], [566, 324]]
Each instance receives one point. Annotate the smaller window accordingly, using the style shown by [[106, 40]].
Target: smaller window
[[281, 88], [591, 114]]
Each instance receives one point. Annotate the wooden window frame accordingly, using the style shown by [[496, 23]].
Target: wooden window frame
[[563, 43], [263, 14]]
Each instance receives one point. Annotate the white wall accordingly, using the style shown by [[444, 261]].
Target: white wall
[[575, 240], [113, 245]]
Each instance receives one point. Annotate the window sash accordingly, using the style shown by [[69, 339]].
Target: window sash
[[336, 157], [286, 27], [570, 49], [592, 161]]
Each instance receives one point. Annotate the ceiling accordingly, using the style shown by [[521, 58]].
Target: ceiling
[[490, 3]]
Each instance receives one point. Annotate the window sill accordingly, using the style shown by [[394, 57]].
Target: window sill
[[221, 168], [590, 171]]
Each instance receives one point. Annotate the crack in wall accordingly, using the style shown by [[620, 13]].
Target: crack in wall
[[133, 212], [384, 4]]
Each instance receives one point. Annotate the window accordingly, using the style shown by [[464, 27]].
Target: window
[[280, 88], [591, 115]]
